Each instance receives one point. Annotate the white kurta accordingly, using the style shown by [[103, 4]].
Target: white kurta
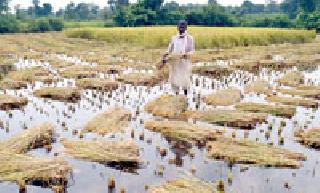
[[180, 69]]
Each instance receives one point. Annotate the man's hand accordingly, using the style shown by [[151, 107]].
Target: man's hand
[[184, 56], [165, 58]]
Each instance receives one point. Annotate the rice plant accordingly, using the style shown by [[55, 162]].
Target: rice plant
[[206, 37]]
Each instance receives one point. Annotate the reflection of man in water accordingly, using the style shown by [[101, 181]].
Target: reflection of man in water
[[181, 48]]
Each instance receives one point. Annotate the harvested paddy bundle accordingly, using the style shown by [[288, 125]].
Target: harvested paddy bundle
[[7, 65], [8, 102], [109, 69], [112, 121], [12, 84], [272, 64], [31, 75], [308, 60], [276, 110], [212, 70], [140, 79], [167, 106], [105, 152], [310, 138], [32, 138], [69, 94], [182, 131], [25, 168], [289, 63], [293, 101], [32, 55], [292, 79], [259, 87], [92, 58], [78, 72], [247, 65], [223, 97], [97, 84], [249, 152], [308, 88], [232, 118], [188, 185], [59, 63], [303, 91]]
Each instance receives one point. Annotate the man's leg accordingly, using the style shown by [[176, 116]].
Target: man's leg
[[175, 89], [185, 91]]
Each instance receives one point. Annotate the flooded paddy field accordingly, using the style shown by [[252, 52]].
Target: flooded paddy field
[[103, 119]]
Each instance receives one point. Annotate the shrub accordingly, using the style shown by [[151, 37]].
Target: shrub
[[266, 20], [9, 24], [40, 25], [56, 24], [46, 24], [309, 20]]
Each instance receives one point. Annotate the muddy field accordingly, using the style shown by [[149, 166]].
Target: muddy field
[[82, 116]]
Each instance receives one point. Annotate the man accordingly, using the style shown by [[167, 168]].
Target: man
[[180, 48]]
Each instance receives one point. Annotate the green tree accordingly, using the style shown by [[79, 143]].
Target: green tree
[[112, 4], [308, 5], [40, 25], [212, 2], [169, 14], [216, 16], [4, 6], [70, 11], [83, 11], [152, 4], [248, 7], [56, 24], [122, 3], [46, 10], [9, 24], [309, 20], [196, 17], [123, 17], [272, 7]]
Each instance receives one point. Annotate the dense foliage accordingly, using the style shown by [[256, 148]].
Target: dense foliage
[[46, 24], [40, 18], [8, 24]]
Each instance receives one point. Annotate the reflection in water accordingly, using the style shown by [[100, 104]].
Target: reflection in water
[[179, 158]]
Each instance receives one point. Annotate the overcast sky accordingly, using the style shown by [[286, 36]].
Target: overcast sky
[[62, 3]]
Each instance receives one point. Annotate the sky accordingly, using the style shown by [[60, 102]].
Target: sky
[[62, 3]]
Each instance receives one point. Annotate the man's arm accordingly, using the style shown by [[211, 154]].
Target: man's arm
[[170, 47], [169, 51], [190, 47]]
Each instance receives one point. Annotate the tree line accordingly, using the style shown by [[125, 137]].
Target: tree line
[[287, 14]]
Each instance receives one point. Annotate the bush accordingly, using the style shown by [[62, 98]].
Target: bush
[[309, 20], [266, 20], [56, 24], [9, 24], [40, 25], [46, 24]]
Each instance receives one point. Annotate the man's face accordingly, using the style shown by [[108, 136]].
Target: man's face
[[182, 27]]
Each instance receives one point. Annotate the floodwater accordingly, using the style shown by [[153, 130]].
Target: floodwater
[[93, 177]]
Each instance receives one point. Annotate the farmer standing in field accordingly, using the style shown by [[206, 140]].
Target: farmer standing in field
[[180, 48]]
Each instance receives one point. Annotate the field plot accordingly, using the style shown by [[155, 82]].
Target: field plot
[[87, 110], [207, 37]]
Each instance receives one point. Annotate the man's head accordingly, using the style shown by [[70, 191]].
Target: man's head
[[182, 26]]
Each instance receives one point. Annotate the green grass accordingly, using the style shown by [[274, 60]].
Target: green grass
[[206, 37]]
